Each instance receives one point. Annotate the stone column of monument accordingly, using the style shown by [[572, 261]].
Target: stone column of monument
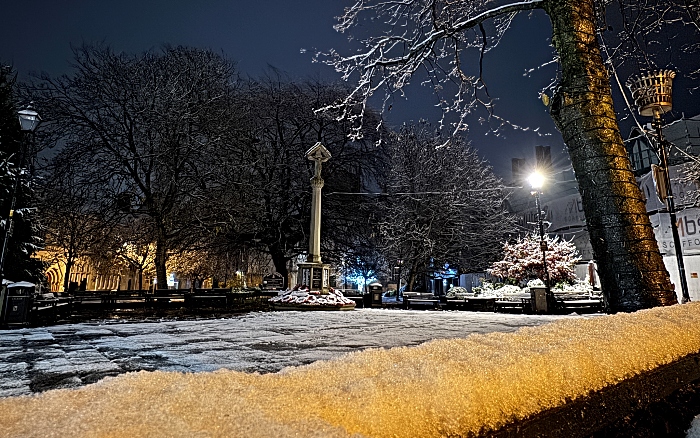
[[315, 230], [314, 273]]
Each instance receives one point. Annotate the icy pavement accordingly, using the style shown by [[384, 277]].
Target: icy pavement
[[65, 356]]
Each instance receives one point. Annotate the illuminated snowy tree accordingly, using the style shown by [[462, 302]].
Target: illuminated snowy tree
[[522, 260], [437, 36]]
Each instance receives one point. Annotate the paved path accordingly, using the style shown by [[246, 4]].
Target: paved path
[[71, 355]]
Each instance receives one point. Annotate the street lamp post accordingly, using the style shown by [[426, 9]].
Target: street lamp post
[[29, 120], [397, 275], [652, 94], [536, 181]]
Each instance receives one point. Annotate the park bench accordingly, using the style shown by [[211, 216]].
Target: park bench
[[481, 304], [509, 305], [594, 304], [50, 307], [422, 299], [456, 304], [212, 297], [122, 298]]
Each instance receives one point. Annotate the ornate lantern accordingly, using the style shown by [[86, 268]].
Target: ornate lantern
[[652, 92]]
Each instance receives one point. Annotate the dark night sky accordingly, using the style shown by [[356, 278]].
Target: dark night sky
[[37, 36]]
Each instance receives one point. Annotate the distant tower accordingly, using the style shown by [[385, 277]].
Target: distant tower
[[543, 158]]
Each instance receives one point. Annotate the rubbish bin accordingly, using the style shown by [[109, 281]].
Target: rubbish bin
[[538, 297], [376, 292], [18, 302]]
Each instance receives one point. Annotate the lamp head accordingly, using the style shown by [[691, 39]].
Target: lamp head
[[536, 180], [29, 119]]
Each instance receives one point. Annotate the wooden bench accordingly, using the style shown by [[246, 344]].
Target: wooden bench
[[358, 299], [485, 304], [163, 299], [49, 309], [122, 298], [197, 299], [593, 304], [507, 305], [435, 303], [456, 304]]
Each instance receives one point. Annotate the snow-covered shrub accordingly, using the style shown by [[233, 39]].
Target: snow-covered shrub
[[535, 283], [578, 287], [503, 291], [522, 260], [457, 292], [486, 288]]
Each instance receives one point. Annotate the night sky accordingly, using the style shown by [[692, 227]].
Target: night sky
[[37, 36]]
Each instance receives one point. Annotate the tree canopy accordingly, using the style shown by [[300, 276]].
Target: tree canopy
[[144, 122]]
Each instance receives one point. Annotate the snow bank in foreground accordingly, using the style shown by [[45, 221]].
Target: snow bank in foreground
[[443, 387]]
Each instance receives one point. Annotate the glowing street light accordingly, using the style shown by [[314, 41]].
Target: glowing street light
[[536, 181]]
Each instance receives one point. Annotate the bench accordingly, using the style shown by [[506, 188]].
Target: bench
[[51, 308], [163, 299], [593, 304], [435, 303], [197, 299], [456, 304], [506, 305], [359, 300], [485, 304], [122, 298]]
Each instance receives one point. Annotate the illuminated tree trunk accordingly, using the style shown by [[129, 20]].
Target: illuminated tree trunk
[[632, 273]]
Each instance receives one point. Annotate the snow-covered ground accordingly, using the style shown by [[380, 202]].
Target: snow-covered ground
[[65, 356], [445, 387]]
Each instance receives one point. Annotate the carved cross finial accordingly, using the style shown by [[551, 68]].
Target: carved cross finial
[[318, 154]]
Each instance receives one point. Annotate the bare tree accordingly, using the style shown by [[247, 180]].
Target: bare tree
[[78, 219], [444, 204], [146, 123], [133, 246], [435, 35]]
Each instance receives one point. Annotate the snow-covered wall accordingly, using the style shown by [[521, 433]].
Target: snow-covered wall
[[443, 387]]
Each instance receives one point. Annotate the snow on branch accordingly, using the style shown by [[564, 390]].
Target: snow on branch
[[429, 35]]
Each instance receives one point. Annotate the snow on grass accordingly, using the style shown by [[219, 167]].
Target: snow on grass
[[443, 387]]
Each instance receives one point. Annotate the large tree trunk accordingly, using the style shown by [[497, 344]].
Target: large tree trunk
[[632, 273], [66, 275]]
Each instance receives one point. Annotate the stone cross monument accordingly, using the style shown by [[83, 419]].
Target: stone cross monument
[[314, 273]]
